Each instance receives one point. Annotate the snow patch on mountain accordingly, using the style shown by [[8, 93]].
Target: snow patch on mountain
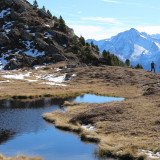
[[3, 61], [140, 48], [5, 13], [31, 52]]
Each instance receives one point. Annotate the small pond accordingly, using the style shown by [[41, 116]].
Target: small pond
[[91, 98], [23, 131]]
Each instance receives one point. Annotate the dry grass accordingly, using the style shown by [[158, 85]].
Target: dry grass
[[123, 129], [86, 80], [21, 157]]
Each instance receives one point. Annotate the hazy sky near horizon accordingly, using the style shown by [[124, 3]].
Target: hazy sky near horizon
[[100, 19]]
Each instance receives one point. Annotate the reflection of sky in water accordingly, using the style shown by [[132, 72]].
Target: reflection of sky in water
[[90, 98], [51, 144], [23, 131]]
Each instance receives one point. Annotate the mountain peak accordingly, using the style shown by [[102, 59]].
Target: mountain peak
[[133, 30], [139, 48]]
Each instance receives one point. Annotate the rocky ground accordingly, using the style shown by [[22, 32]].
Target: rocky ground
[[130, 128]]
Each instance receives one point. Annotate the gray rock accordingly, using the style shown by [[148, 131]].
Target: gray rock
[[9, 2], [22, 3], [14, 15], [21, 9], [72, 65], [13, 64], [58, 57], [15, 33], [71, 32], [53, 49], [4, 39], [41, 43], [39, 35], [26, 35], [59, 36]]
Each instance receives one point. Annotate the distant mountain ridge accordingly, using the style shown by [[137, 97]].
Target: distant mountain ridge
[[140, 48]]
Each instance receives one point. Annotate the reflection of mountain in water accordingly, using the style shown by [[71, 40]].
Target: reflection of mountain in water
[[17, 117], [30, 104], [5, 135]]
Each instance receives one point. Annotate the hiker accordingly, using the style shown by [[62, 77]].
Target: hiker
[[153, 66]]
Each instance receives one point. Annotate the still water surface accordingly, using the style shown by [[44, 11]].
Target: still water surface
[[23, 131]]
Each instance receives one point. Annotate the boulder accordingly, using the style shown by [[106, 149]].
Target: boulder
[[13, 64], [53, 49], [41, 43], [26, 35], [58, 57], [39, 35], [9, 2], [72, 65], [4, 39], [15, 33], [14, 15], [60, 37]]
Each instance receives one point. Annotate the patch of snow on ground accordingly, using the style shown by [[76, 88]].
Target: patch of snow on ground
[[5, 81], [88, 127], [37, 67], [47, 25], [17, 76], [47, 35], [5, 12], [30, 80], [58, 69], [53, 78], [54, 84], [74, 75], [7, 24], [3, 62], [36, 53], [150, 154], [28, 30]]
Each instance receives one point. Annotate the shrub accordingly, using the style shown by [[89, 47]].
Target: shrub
[[138, 66], [127, 62]]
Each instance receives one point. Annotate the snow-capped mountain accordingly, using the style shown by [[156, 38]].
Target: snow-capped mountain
[[138, 47]]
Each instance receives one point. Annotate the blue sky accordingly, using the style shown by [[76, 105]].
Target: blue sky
[[100, 19]]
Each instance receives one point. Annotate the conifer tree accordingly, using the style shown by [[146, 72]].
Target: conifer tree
[[62, 25], [44, 9], [35, 4], [82, 41], [49, 13], [138, 66], [107, 57], [127, 62], [92, 44]]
